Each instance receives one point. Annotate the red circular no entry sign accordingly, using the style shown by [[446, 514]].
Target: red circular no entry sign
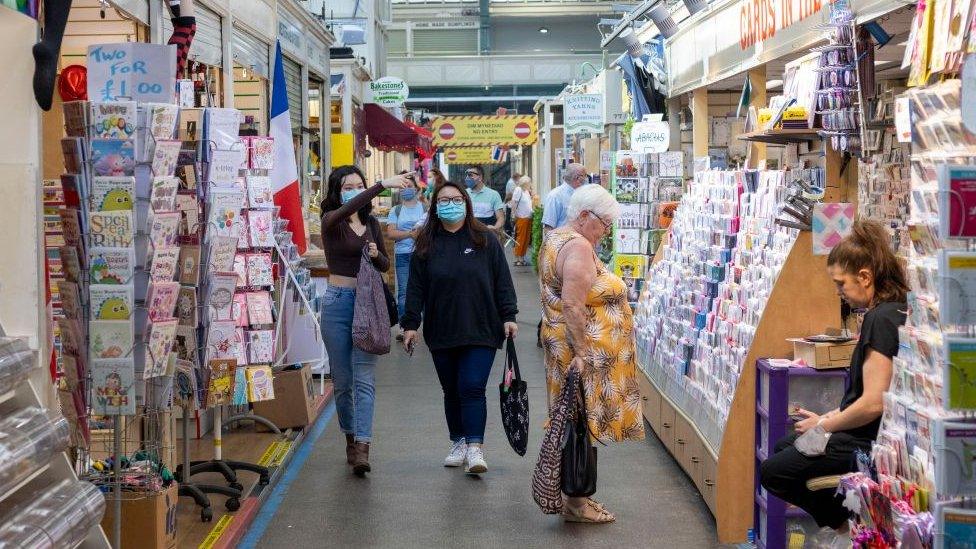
[[446, 131], [451, 156], [522, 130]]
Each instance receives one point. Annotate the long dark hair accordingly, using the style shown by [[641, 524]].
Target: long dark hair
[[333, 192], [476, 229], [869, 247]]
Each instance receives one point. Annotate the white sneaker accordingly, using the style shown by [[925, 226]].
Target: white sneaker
[[475, 461], [456, 457]]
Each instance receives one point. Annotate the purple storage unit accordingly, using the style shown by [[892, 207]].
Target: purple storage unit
[[777, 390]]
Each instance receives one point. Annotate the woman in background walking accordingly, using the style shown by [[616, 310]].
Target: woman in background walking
[[401, 226], [522, 205]]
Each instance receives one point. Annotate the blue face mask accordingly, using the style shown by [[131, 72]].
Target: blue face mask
[[451, 213], [346, 196], [469, 182], [408, 194]]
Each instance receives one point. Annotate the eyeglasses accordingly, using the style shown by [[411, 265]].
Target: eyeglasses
[[472, 174], [606, 226], [444, 201]]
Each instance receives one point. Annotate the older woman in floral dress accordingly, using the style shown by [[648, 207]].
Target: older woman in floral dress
[[587, 324]]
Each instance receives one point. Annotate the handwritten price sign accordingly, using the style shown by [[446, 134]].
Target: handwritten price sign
[[132, 71]]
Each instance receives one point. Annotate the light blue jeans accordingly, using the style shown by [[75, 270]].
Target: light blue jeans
[[402, 274], [353, 371]]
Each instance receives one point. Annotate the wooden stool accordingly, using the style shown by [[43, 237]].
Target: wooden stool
[[824, 483]]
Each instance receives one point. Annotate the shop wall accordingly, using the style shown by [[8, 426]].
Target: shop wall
[[565, 34], [86, 27], [251, 97]]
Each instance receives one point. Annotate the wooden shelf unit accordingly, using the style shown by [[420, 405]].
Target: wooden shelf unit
[[802, 302]]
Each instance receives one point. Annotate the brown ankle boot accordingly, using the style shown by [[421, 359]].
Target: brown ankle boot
[[360, 465], [350, 449]]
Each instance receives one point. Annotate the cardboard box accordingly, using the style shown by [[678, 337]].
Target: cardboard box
[[824, 356], [147, 522], [294, 401]]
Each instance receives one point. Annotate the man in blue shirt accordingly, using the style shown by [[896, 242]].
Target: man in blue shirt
[[557, 202]]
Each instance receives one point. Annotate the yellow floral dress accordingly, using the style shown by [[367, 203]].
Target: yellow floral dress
[[613, 398]]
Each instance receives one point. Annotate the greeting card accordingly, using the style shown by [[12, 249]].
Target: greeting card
[[220, 389], [960, 373], [72, 338], [109, 338], [71, 263], [665, 214], [220, 297], [244, 241], [224, 168], [113, 120], [187, 204], [185, 385], [831, 223], [259, 269], [161, 300], [240, 387], [112, 157], [630, 266], [74, 369], [163, 194], [111, 194], [109, 229], [259, 308], [70, 299], [71, 227], [260, 228], [164, 229], [110, 301], [240, 346], [262, 153], [260, 383], [76, 114], [222, 340], [240, 310], [163, 118], [113, 386], [260, 346], [186, 306], [111, 265], [221, 127], [223, 250], [185, 343], [240, 269], [259, 193], [628, 241], [190, 264], [671, 164], [957, 201], [164, 157], [73, 151], [161, 336], [224, 213], [164, 263]]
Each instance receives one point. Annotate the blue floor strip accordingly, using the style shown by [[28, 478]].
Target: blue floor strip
[[270, 507]]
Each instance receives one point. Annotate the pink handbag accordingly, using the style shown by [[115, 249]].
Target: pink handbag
[[370, 318]]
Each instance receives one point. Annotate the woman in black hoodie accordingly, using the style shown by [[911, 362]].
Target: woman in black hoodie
[[460, 285]]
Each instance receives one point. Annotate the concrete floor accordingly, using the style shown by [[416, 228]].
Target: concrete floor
[[411, 500]]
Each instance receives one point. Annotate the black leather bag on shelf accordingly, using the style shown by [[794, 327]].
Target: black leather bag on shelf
[[514, 398], [579, 454]]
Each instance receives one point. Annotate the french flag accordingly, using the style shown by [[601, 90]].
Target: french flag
[[284, 176]]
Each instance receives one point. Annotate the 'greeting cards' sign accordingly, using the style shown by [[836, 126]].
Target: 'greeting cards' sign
[[140, 72]]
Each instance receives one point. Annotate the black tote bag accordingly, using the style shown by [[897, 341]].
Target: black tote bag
[[579, 455], [514, 398]]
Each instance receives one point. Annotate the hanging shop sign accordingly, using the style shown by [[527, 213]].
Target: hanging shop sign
[[583, 113], [484, 131], [475, 155], [650, 137], [388, 91], [131, 71]]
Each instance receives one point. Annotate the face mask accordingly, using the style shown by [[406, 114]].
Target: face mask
[[408, 194], [346, 196], [451, 213], [469, 182]]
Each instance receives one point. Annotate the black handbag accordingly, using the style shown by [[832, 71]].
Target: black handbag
[[514, 399], [579, 455]]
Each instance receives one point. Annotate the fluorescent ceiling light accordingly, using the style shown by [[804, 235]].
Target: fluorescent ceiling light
[[774, 84], [544, 30]]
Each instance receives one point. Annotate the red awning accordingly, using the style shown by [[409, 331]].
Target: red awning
[[387, 133]]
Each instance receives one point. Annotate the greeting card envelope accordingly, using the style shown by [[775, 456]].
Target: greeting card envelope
[[262, 153], [113, 157], [260, 346], [831, 223], [164, 229], [110, 301], [111, 265], [260, 383], [113, 120], [259, 269], [110, 229], [164, 264], [260, 230], [162, 197], [259, 308], [220, 388], [186, 306], [110, 338], [160, 344], [161, 300], [223, 250], [259, 193], [111, 194], [165, 156], [113, 386], [190, 264]]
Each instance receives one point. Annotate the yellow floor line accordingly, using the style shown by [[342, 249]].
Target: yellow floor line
[[268, 454], [283, 447], [217, 531]]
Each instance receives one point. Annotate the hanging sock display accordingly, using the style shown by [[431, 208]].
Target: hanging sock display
[[46, 51], [184, 29]]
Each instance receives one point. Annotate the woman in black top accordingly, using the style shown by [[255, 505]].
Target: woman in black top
[[460, 284], [868, 276]]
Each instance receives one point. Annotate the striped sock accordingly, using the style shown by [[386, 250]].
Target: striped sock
[[184, 28]]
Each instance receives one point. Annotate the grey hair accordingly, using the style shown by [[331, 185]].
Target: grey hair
[[596, 199], [572, 171]]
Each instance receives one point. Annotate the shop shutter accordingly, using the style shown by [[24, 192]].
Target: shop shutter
[[293, 83], [397, 41], [445, 41], [206, 43], [250, 51]]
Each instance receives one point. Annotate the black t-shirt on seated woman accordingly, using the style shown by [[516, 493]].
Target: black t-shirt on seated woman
[[879, 331]]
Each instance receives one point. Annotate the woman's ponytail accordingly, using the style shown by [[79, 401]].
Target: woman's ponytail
[[869, 247]]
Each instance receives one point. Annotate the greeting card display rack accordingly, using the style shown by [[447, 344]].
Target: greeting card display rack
[[728, 288]]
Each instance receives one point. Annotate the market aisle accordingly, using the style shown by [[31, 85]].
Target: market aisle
[[411, 500]]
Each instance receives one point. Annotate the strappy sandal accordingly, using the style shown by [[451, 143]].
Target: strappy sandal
[[602, 515]]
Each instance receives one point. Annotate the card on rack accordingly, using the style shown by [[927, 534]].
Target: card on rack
[[671, 164], [70, 296], [161, 299], [164, 229], [185, 343], [163, 118], [244, 241], [112, 157], [220, 297], [73, 151], [224, 217], [111, 265], [259, 308], [113, 120], [261, 153], [71, 227], [240, 346], [959, 378], [260, 346], [222, 251], [627, 190], [110, 338], [220, 389], [109, 194], [110, 301], [224, 169], [240, 310], [222, 126], [957, 288], [222, 340], [187, 204], [259, 269], [164, 157], [240, 386], [72, 337], [632, 216], [76, 115], [186, 307], [162, 198], [240, 269], [628, 241], [164, 263], [109, 229], [113, 386], [160, 344], [260, 383], [955, 443], [260, 228], [190, 264], [70, 263], [259, 193], [185, 385], [665, 214], [74, 371], [957, 198], [630, 265]]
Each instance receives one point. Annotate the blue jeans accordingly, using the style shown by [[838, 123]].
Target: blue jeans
[[402, 274], [353, 371], [463, 372]]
